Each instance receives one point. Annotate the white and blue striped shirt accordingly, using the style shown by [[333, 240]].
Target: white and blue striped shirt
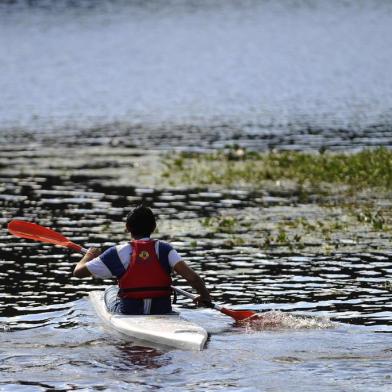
[[114, 261]]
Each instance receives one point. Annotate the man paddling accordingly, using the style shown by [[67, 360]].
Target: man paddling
[[142, 268]]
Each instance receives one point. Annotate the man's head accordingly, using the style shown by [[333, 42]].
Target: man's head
[[141, 222]]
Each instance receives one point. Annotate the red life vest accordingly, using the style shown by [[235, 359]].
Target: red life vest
[[145, 277]]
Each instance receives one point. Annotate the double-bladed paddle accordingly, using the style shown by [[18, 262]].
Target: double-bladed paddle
[[35, 232]]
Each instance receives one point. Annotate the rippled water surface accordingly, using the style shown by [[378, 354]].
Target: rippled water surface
[[286, 70], [328, 315], [95, 93], [74, 352]]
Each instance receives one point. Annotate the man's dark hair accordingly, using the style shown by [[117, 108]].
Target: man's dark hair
[[141, 222]]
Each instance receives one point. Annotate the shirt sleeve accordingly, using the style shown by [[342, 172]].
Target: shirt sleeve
[[174, 258], [98, 269], [167, 255], [107, 265]]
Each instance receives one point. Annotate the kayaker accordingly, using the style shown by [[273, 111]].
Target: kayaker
[[143, 269]]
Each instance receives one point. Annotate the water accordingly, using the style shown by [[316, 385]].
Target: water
[[95, 93], [328, 316], [74, 352], [259, 67]]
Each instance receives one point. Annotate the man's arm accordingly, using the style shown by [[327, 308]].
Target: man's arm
[[194, 280], [81, 271]]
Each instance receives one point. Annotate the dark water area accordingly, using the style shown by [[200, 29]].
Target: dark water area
[[95, 95]]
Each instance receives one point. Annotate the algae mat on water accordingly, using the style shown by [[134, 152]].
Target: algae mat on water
[[236, 166], [331, 199]]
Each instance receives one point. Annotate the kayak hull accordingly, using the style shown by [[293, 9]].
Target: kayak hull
[[168, 330]]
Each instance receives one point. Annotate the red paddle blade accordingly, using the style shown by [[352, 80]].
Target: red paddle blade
[[239, 315], [32, 231]]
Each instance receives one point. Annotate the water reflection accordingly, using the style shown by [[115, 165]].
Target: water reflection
[[134, 356]]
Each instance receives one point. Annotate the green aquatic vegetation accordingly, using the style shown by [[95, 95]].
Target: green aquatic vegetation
[[282, 238], [234, 241], [326, 227], [193, 244], [233, 167], [106, 227], [332, 229], [374, 218], [351, 193], [379, 218], [388, 285], [221, 224]]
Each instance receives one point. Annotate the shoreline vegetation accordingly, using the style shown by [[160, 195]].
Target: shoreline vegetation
[[349, 193], [370, 168]]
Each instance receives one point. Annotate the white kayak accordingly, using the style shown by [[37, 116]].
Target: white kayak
[[169, 329]]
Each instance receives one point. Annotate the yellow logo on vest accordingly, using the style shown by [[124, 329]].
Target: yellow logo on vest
[[144, 255]]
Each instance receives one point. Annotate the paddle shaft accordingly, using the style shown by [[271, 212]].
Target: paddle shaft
[[81, 249], [238, 315], [192, 296]]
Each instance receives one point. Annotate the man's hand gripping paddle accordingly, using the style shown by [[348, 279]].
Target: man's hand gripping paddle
[[32, 231], [237, 315]]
